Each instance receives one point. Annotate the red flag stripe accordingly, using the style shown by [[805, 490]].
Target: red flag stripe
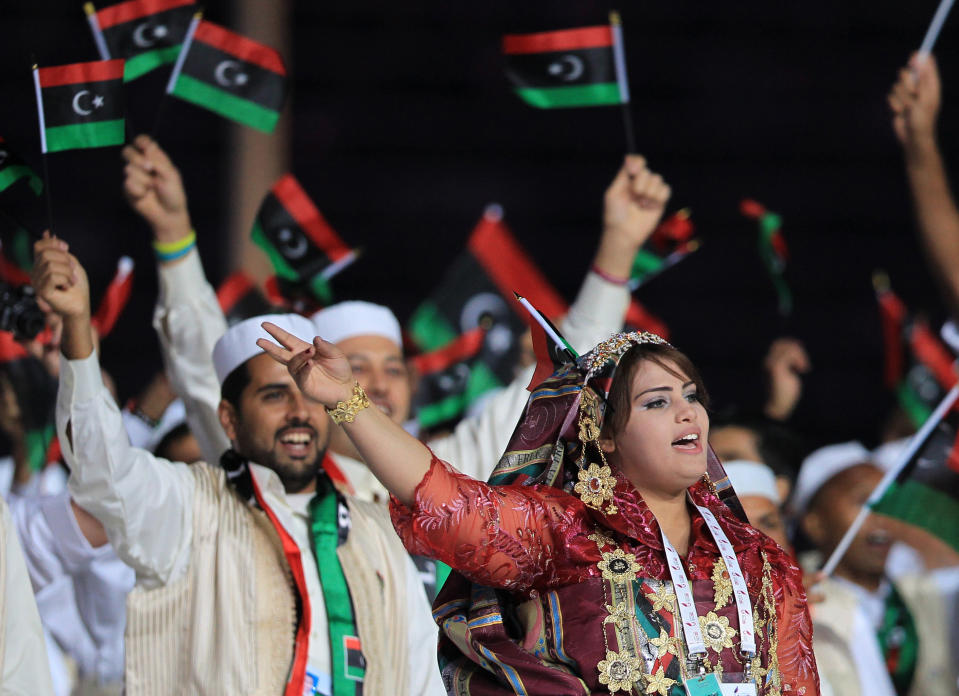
[[115, 298], [233, 289], [892, 312], [294, 199], [642, 319], [77, 73], [9, 348], [271, 286], [336, 475], [566, 40], [243, 48], [134, 9], [457, 350], [12, 273], [511, 269], [544, 363], [933, 355]]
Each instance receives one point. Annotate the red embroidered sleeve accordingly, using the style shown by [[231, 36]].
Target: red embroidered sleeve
[[499, 536], [797, 664]]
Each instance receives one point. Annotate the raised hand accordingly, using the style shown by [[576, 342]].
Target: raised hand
[[632, 207], [153, 188], [320, 369], [58, 278], [915, 100]]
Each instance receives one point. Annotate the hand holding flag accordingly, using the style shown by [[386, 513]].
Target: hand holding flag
[[915, 100], [153, 188]]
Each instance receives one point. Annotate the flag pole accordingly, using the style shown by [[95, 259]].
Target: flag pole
[[619, 58], [177, 67], [43, 147], [914, 444], [98, 39], [538, 318], [932, 33]]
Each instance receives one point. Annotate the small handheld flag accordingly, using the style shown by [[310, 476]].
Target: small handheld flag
[[573, 67], [115, 298], [772, 249], [302, 246], [147, 33], [80, 105], [229, 74], [669, 244], [14, 169], [446, 385], [551, 348], [240, 298], [19, 189]]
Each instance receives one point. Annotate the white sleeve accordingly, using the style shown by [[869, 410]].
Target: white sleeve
[[476, 444], [424, 669], [144, 503], [26, 669], [189, 321]]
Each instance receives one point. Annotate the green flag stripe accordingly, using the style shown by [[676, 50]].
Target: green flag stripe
[[645, 263], [580, 95], [481, 380], [915, 503], [226, 104], [283, 269], [429, 328], [11, 174], [93, 134], [37, 443], [139, 65], [910, 402]]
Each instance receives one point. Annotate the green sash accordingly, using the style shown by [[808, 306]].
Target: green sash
[[899, 642], [348, 665]]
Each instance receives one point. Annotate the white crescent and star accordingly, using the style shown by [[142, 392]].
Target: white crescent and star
[[292, 246], [229, 73], [140, 38], [567, 68], [95, 102]]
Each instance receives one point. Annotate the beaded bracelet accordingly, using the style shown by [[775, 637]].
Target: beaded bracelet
[[171, 251]]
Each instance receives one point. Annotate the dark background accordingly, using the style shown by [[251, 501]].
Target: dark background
[[404, 128]]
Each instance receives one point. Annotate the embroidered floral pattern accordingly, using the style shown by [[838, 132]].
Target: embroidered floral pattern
[[664, 644], [595, 485], [722, 585], [662, 598], [717, 633], [658, 683], [619, 566], [619, 671]]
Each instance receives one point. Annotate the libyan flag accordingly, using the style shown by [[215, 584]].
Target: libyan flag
[[925, 492], [574, 67], [19, 189], [80, 105], [445, 388], [231, 75], [302, 247], [147, 33]]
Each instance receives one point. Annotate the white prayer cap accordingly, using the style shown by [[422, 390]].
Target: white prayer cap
[[822, 465], [348, 319], [238, 344], [752, 478]]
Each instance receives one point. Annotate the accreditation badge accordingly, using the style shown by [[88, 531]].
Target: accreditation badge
[[703, 685]]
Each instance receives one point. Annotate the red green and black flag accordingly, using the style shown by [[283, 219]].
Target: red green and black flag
[[13, 169], [772, 249], [669, 244], [304, 250], [477, 290], [231, 75], [925, 490], [147, 33], [572, 67], [80, 105], [445, 390], [917, 367], [20, 212], [551, 348], [240, 299]]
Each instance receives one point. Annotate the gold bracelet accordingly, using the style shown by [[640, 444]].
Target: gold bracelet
[[346, 411]]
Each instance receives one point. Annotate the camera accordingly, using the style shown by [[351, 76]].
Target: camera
[[19, 311]]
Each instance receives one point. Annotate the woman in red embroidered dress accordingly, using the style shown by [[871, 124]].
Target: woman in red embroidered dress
[[563, 582]]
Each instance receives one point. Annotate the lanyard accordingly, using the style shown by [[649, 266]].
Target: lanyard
[[684, 594]]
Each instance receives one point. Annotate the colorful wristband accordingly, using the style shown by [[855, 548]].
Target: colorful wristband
[[608, 277], [170, 251]]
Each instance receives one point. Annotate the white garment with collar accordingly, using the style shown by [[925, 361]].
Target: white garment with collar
[[81, 591]]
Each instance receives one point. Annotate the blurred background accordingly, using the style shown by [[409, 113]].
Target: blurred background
[[401, 126]]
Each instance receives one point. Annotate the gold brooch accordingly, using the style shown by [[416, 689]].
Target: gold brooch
[[595, 487], [722, 585], [662, 598], [619, 671], [664, 644], [619, 566], [658, 683], [717, 633]]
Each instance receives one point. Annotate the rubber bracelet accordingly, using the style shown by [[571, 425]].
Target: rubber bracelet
[[608, 277], [174, 247], [164, 258]]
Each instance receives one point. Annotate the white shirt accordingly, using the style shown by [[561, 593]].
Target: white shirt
[[81, 591]]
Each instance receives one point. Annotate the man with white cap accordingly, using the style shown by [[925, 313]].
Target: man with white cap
[[756, 486], [871, 636], [370, 336], [254, 577]]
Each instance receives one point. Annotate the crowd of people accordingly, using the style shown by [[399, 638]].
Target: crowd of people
[[260, 520]]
